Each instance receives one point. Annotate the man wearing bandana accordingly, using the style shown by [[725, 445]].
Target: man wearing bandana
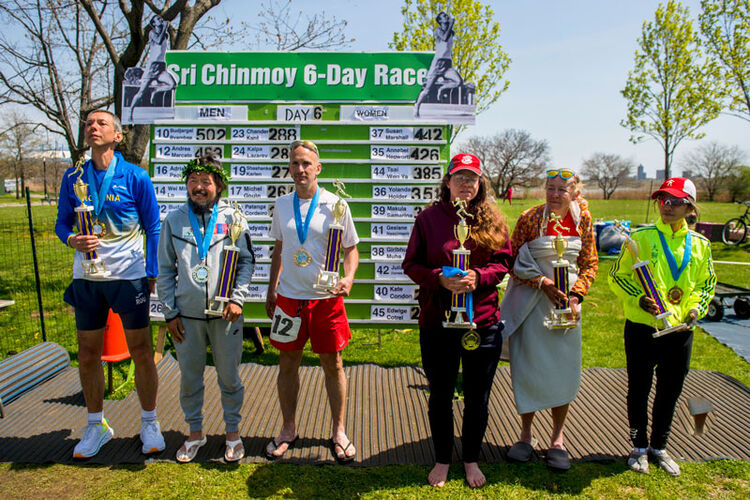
[[124, 207], [298, 310], [192, 255]]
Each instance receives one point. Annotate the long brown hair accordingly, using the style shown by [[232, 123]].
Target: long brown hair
[[489, 229]]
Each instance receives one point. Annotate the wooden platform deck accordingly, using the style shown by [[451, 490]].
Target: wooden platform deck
[[386, 418]]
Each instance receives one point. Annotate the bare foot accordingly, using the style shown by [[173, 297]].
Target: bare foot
[[474, 476], [438, 475]]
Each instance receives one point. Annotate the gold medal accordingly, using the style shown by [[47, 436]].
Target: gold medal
[[675, 295], [98, 228], [471, 340], [302, 258]]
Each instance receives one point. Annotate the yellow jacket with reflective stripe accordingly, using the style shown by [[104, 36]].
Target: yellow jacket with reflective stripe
[[697, 280]]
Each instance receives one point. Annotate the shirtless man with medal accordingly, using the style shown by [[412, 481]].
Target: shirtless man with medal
[[297, 309]]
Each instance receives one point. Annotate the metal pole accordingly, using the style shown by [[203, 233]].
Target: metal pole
[[648, 203], [36, 266], [44, 175]]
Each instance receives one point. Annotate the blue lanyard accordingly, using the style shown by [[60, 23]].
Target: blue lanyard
[[670, 256], [303, 228], [203, 241], [98, 197]]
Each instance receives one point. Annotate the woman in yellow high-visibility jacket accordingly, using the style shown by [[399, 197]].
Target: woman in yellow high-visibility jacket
[[684, 274]]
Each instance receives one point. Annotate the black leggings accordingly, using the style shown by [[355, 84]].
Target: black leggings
[[670, 356], [441, 354]]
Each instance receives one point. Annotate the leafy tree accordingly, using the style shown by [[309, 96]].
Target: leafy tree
[[725, 26], [712, 165], [608, 171], [511, 158], [18, 140], [671, 92], [739, 184], [478, 55]]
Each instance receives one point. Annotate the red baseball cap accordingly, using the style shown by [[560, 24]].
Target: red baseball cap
[[677, 186], [465, 161]]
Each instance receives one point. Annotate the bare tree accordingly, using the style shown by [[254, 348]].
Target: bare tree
[[286, 30], [17, 141], [713, 164], [608, 171], [52, 60], [511, 158]]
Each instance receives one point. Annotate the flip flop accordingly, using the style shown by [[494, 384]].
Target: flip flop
[[558, 460], [230, 455], [271, 456], [191, 450], [342, 459]]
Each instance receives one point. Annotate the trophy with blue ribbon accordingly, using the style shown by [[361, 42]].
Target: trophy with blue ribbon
[[329, 276], [645, 276], [228, 267], [559, 318], [461, 312], [93, 266]]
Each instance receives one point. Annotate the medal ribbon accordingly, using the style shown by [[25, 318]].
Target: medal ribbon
[[670, 256], [98, 197], [203, 242], [450, 272], [303, 228]]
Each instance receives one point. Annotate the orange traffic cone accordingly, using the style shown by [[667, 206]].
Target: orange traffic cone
[[115, 346]]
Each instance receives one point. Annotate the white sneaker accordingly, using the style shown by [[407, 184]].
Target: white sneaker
[[665, 462], [638, 462], [94, 437], [153, 441]]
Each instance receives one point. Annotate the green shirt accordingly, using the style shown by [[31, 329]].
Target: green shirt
[[697, 280]]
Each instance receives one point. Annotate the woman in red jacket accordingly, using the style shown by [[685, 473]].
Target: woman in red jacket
[[430, 248]]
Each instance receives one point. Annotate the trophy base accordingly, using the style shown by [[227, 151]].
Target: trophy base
[[456, 324], [94, 268], [327, 281], [216, 307], [664, 331], [561, 322]]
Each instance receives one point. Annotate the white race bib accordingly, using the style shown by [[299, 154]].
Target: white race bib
[[284, 328]]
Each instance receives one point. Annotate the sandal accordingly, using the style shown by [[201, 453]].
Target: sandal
[[342, 458], [234, 456], [191, 450], [289, 444]]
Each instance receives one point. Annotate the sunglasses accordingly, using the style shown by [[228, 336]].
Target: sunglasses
[[563, 173], [309, 145], [673, 202]]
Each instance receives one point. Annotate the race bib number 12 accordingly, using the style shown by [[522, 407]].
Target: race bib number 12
[[284, 328]]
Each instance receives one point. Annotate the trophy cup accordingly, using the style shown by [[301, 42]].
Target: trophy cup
[[558, 318], [228, 267], [461, 312], [645, 276], [328, 277], [93, 266]]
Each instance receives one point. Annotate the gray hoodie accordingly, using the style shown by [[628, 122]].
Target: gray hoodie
[[178, 255]]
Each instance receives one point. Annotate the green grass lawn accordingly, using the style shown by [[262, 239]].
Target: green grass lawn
[[602, 346]]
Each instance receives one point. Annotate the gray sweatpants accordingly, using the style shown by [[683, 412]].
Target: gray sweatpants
[[227, 353]]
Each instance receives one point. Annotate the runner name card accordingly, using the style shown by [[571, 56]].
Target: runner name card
[[171, 191], [188, 151], [387, 252], [257, 230], [394, 313], [390, 211], [390, 230], [406, 293], [406, 134], [245, 191], [168, 170], [257, 291], [404, 153], [262, 251], [165, 208], [261, 271], [190, 133], [390, 271], [261, 151], [255, 209], [262, 134]]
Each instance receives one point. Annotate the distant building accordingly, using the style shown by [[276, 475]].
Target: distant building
[[660, 175], [687, 173], [641, 174]]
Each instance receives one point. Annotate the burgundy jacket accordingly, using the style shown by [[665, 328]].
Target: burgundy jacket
[[430, 246]]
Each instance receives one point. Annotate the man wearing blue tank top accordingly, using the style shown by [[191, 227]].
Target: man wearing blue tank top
[[124, 208]]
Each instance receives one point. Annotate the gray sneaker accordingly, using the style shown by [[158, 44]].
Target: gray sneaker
[[638, 462], [665, 462]]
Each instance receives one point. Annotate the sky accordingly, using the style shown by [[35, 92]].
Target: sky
[[570, 60]]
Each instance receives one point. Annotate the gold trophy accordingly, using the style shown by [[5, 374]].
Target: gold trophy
[[461, 312], [93, 266], [559, 318], [329, 276], [228, 266]]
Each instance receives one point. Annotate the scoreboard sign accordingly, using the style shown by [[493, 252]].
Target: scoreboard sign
[[246, 108]]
